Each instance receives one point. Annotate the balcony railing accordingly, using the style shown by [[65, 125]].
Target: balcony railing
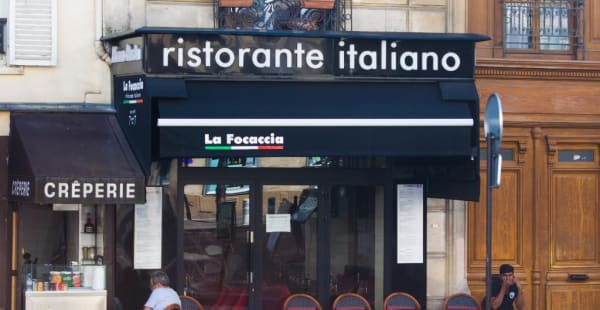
[[282, 15], [543, 25]]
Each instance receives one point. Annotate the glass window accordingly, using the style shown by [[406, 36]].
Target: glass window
[[216, 247], [576, 156], [353, 241], [3, 30], [507, 154], [228, 162], [290, 214], [2, 34], [542, 25]]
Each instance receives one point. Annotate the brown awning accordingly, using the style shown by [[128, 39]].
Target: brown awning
[[72, 158]]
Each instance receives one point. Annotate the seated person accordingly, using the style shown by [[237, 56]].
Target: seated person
[[507, 291], [162, 295]]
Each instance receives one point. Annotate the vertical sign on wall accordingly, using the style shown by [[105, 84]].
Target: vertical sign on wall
[[147, 239], [410, 223]]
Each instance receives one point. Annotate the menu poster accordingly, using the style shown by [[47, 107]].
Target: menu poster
[[147, 235], [278, 223], [410, 223]]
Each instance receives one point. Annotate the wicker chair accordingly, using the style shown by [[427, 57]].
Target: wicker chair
[[401, 301], [351, 301], [460, 301], [190, 303], [301, 302]]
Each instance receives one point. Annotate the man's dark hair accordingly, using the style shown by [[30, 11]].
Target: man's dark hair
[[160, 277], [506, 268]]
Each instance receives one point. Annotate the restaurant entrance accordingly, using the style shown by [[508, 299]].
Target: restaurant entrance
[[252, 237]]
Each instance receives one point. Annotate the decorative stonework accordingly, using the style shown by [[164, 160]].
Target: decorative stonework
[[539, 70]]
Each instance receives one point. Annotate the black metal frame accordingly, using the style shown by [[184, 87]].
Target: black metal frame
[[257, 178]]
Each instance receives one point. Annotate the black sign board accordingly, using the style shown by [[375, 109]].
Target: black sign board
[[134, 112], [229, 118], [218, 54]]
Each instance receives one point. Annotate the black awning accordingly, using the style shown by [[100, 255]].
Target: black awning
[[268, 118], [72, 158]]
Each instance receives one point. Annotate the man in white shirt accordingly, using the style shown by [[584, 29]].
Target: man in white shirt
[[162, 295]]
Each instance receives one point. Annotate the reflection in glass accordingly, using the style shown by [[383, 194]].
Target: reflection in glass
[[216, 247], [353, 241], [290, 253], [576, 156]]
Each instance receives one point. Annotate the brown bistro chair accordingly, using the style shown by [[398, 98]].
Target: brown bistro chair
[[460, 301], [401, 301], [301, 301], [351, 301], [190, 303], [173, 307]]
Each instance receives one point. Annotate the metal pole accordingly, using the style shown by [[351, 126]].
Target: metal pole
[[488, 228]]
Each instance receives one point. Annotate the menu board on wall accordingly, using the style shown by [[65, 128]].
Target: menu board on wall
[[410, 223], [147, 242]]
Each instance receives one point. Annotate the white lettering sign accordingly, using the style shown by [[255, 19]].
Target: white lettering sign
[[388, 56], [74, 190], [20, 188], [130, 53], [233, 139], [133, 86]]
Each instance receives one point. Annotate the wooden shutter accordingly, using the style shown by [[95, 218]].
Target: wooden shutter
[[32, 32]]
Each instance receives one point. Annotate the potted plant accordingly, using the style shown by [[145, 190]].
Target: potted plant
[[235, 3], [317, 4]]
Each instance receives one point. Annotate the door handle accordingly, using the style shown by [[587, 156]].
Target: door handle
[[578, 277]]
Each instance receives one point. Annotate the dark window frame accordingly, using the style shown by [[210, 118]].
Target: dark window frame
[[2, 37]]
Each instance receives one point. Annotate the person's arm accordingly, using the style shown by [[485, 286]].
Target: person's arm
[[496, 301], [150, 303], [520, 301]]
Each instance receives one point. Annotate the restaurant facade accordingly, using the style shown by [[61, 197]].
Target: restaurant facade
[[283, 162]]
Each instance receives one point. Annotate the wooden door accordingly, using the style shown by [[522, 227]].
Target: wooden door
[[546, 218], [571, 268], [511, 215]]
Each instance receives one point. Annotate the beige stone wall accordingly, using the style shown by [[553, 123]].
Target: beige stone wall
[[367, 15], [446, 267], [79, 75], [4, 123], [409, 15]]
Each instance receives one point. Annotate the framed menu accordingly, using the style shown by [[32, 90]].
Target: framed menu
[[147, 236], [410, 207]]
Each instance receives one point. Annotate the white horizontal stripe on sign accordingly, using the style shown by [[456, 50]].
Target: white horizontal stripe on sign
[[314, 122]]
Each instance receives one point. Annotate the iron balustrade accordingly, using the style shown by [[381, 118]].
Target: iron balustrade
[[282, 15], [543, 25]]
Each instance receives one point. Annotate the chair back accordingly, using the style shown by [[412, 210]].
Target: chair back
[[116, 304], [190, 303], [460, 301], [173, 307], [351, 301], [401, 301], [301, 301]]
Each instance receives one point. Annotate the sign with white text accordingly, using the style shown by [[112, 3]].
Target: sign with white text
[[231, 54]]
